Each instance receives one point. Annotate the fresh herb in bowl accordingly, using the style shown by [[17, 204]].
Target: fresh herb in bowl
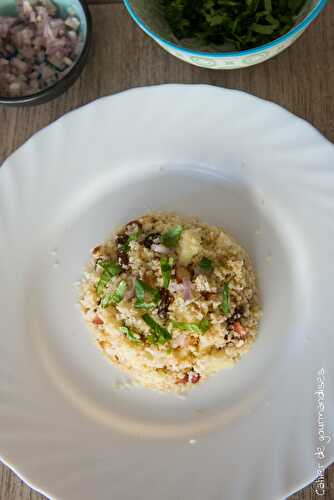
[[236, 24]]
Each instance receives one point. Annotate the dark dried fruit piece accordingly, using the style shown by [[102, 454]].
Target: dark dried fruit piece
[[152, 239], [122, 256], [183, 380], [238, 313], [166, 299], [97, 252], [208, 295], [121, 239], [123, 259]]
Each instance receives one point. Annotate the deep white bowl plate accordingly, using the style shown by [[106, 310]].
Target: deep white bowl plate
[[69, 424]]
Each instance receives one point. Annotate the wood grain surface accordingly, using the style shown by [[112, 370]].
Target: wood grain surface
[[301, 79]]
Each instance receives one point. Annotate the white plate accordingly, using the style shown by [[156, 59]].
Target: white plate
[[67, 426]]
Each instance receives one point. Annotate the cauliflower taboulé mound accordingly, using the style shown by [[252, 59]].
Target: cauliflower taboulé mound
[[171, 300]]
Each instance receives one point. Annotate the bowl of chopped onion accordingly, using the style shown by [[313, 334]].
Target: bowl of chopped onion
[[225, 34], [44, 46]]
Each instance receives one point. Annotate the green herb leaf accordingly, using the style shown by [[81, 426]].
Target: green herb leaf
[[171, 237], [110, 270], [141, 289], [296, 5], [131, 336], [145, 305], [111, 267], [133, 237], [274, 22], [191, 327], [102, 283], [206, 264], [106, 300], [116, 297], [166, 266], [225, 306], [159, 334], [199, 328], [204, 325], [268, 6], [231, 24], [264, 29], [118, 294]]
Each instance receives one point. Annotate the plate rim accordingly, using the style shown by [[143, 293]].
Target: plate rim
[[6, 166]]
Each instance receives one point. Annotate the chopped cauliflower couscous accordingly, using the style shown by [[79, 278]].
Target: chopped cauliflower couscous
[[171, 301]]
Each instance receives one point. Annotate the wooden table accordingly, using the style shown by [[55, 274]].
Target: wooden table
[[301, 79]]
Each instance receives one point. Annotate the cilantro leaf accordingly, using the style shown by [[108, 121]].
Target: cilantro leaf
[[225, 306], [116, 297], [166, 266], [110, 270], [206, 264], [204, 325], [264, 29], [131, 336], [158, 334], [133, 237], [236, 24], [171, 237], [199, 328], [141, 289]]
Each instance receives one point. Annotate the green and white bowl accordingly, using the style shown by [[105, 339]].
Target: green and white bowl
[[148, 14]]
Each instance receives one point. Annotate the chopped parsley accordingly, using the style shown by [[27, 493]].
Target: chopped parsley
[[116, 297], [158, 334], [206, 264], [171, 237], [110, 270], [141, 290], [204, 325], [200, 328], [225, 306], [166, 266], [237, 24], [129, 334], [133, 237]]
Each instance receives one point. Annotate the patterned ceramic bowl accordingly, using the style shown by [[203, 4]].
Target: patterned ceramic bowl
[[149, 16]]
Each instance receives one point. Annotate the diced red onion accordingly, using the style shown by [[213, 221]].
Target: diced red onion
[[72, 35], [160, 249], [186, 289], [14, 88], [26, 8], [20, 65], [72, 22], [37, 47]]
